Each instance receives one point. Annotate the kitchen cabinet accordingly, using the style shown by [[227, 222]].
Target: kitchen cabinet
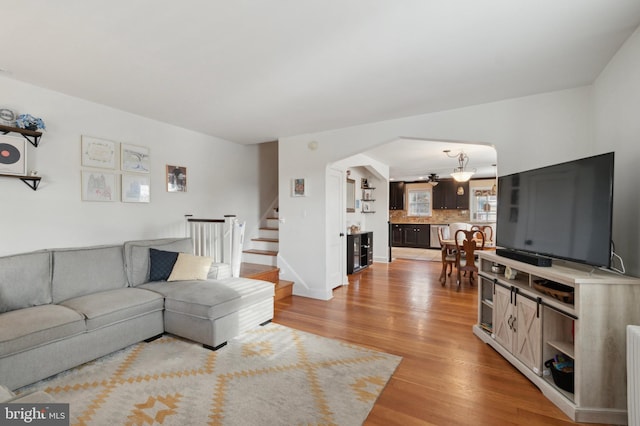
[[445, 195], [410, 235], [396, 195]]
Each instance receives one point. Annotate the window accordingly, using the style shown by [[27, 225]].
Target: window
[[419, 202]]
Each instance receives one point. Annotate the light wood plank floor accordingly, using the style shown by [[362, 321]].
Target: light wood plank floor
[[447, 375]]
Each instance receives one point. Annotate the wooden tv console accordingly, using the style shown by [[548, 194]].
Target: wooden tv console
[[528, 327]]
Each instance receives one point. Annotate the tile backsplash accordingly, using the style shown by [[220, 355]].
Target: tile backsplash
[[438, 216]]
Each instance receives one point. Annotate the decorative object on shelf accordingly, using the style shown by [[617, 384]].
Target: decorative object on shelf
[[432, 179], [510, 273], [98, 152], [298, 187], [13, 156], [136, 189], [460, 190], [134, 158], [460, 173], [176, 178], [33, 173], [98, 186], [7, 117], [29, 122]]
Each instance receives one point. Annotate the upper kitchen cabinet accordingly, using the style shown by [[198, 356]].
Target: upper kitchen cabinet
[[448, 196], [396, 195]]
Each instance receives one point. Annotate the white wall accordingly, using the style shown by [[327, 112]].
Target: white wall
[[617, 128], [527, 132], [223, 177]]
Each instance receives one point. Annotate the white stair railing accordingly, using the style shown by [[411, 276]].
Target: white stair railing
[[220, 239]]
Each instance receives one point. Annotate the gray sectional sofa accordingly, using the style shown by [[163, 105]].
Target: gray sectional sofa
[[60, 308]]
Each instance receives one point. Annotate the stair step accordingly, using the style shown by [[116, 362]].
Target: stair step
[[273, 223], [269, 240], [268, 233], [284, 289], [262, 252], [260, 272]]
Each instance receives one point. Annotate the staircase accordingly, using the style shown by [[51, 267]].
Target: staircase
[[260, 261]]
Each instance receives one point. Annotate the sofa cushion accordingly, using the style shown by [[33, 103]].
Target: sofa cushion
[[136, 255], [212, 299], [88, 270], [189, 267], [113, 306], [25, 280], [161, 264], [219, 271], [31, 327]]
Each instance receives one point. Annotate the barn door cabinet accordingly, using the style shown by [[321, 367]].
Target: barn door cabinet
[[528, 321]]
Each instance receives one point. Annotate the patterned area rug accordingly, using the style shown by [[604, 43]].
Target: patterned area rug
[[272, 375]]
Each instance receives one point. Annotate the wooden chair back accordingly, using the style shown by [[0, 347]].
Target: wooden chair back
[[486, 230], [467, 242]]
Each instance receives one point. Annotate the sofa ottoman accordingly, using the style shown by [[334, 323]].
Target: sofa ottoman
[[213, 311]]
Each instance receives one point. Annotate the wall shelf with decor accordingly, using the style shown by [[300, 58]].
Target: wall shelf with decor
[[368, 198], [31, 135], [13, 151], [31, 181]]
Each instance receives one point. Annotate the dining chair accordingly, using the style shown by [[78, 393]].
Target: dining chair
[[467, 242], [486, 230], [449, 254]]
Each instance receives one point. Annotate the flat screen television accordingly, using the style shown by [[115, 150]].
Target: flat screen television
[[562, 211]]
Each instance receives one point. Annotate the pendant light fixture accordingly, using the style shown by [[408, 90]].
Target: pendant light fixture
[[460, 173], [432, 179]]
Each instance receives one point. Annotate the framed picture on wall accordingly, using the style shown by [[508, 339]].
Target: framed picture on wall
[[176, 178], [99, 186], [298, 187], [134, 158], [98, 152], [13, 155], [136, 189]]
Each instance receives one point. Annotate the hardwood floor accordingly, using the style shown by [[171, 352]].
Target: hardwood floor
[[447, 375]]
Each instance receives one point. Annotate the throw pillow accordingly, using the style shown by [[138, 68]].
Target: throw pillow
[[161, 264], [190, 267]]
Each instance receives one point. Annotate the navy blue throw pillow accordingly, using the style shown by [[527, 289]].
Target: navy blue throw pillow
[[161, 264]]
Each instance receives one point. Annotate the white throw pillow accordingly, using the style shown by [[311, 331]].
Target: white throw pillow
[[190, 267]]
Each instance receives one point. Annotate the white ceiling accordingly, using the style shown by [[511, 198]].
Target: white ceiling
[[411, 159], [251, 71]]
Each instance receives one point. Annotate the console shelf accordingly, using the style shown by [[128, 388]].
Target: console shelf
[[528, 327]]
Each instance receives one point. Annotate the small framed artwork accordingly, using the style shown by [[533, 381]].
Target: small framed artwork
[[136, 189], [13, 155], [298, 187], [366, 207], [176, 178], [99, 186], [98, 152], [134, 158]]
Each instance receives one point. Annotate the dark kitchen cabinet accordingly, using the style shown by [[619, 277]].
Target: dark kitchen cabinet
[[445, 195], [396, 235], [410, 235], [396, 195]]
